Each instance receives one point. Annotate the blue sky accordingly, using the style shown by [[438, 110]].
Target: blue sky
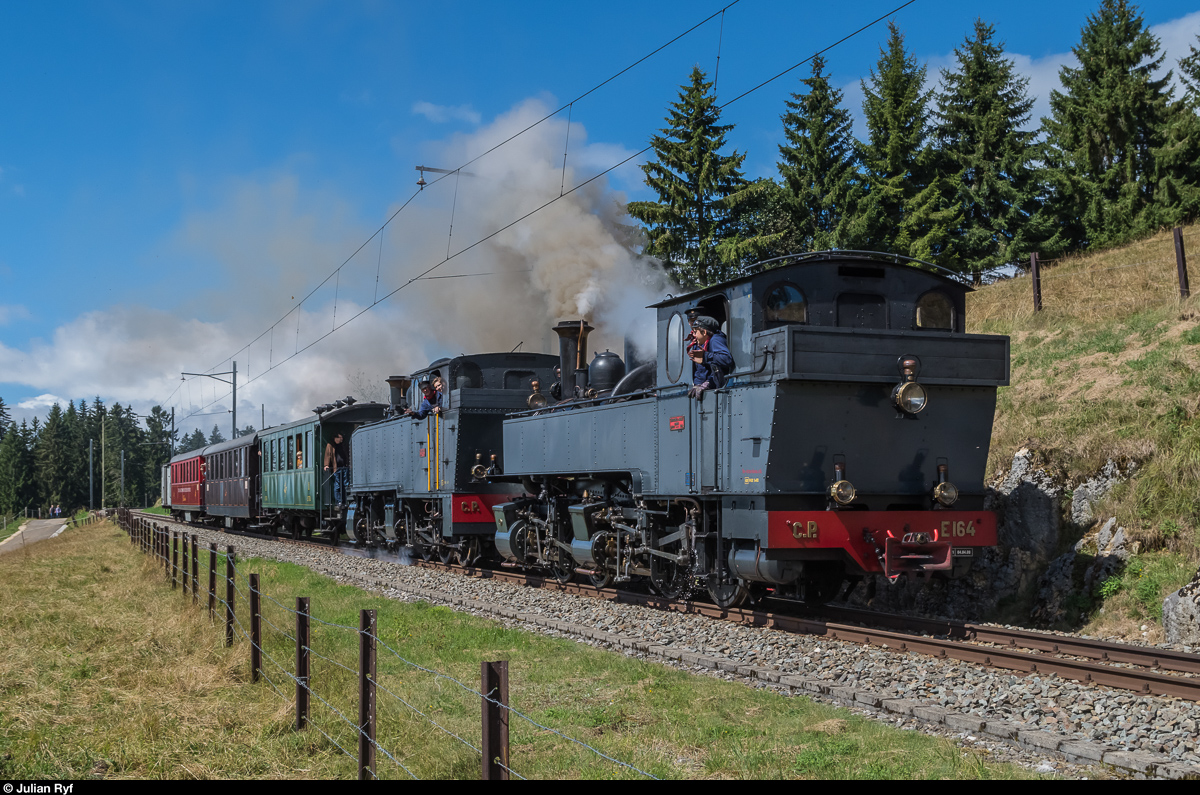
[[175, 177]]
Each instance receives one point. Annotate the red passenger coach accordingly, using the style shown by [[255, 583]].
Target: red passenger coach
[[187, 484]]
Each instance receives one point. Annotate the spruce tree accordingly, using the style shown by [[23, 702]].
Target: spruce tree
[[1105, 128], [693, 227], [4, 419], [1177, 183], [818, 165], [986, 156], [905, 210]]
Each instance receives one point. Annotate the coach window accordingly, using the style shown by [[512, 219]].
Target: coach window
[[308, 448], [935, 311], [675, 347], [291, 451], [785, 303]]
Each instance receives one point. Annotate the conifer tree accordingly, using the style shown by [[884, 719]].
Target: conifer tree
[[4, 419], [52, 455], [986, 155], [693, 227], [1104, 131], [818, 165], [905, 210]]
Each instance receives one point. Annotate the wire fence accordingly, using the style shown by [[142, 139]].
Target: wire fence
[[354, 699], [1100, 284]]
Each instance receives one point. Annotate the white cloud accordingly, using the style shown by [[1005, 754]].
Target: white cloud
[[41, 402], [13, 312], [444, 113]]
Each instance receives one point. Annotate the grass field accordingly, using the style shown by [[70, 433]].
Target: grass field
[[104, 671]]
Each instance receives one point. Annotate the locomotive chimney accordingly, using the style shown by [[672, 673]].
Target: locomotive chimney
[[572, 345], [398, 385]]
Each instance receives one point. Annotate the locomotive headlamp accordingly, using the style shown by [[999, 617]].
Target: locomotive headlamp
[[910, 397], [945, 493], [842, 492], [536, 400]]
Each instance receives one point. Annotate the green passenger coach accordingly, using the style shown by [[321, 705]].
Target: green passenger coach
[[297, 492]]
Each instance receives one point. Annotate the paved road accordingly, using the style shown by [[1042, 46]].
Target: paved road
[[35, 530]]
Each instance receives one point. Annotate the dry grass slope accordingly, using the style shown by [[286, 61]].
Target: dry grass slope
[[1110, 369]]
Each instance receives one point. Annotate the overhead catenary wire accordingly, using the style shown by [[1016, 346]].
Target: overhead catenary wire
[[450, 256]]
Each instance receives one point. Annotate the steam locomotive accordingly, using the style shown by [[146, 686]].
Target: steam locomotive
[[850, 438]]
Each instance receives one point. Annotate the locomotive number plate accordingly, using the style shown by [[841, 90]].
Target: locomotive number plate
[[958, 529], [677, 423]]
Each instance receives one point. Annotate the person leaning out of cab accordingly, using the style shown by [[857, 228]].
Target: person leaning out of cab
[[709, 352], [431, 402]]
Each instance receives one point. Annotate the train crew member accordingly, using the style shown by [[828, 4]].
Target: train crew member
[[439, 386], [431, 401], [335, 460], [711, 359]]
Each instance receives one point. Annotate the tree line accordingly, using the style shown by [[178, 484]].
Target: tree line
[[44, 463], [948, 174]]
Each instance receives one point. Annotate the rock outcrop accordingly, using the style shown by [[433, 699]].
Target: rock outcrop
[[1181, 614], [1080, 572]]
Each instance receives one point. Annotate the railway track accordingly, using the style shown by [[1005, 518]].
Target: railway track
[[1147, 670]]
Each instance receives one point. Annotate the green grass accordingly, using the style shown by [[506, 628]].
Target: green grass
[[103, 669]]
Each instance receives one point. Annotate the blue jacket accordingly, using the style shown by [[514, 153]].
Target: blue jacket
[[428, 406], [717, 364]]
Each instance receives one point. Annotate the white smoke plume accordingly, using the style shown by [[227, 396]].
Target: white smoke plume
[[273, 239]]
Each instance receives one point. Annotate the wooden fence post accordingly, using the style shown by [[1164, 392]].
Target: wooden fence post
[[255, 630], [1037, 281], [229, 592], [302, 674], [212, 580], [183, 541], [195, 572], [1181, 264], [174, 556], [495, 720], [366, 695]]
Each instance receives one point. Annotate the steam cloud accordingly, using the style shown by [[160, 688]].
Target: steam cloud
[[271, 240]]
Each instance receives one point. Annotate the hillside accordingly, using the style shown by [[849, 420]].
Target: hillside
[[1109, 370]]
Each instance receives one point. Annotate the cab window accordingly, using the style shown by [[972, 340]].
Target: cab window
[[785, 303], [675, 332], [935, 311]]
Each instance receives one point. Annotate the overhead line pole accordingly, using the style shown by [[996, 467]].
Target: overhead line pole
[[232, 373]]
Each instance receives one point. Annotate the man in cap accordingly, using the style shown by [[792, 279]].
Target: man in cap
[[431, 401], [711, 359]]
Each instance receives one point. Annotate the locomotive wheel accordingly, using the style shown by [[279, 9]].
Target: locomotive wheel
[[562, 570], [362, 531], [729, 595], [670, 580], [471, 552], [446, 554], [601, 579]]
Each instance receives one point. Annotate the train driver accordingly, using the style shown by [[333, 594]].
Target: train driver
[[709, 352], [431, 401]]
